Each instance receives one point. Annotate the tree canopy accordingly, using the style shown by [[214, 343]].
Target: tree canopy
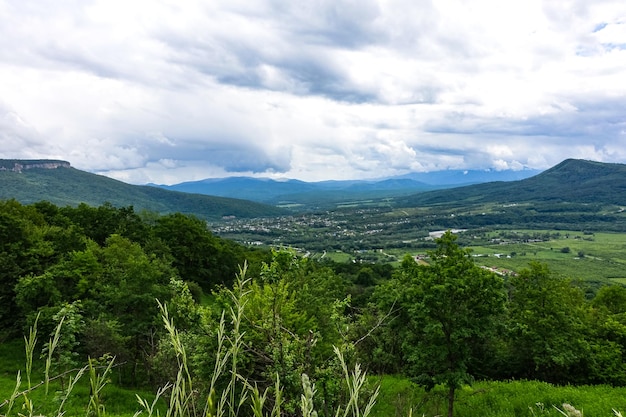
[[452, 307]]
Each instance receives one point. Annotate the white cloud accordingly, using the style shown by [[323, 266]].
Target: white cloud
[[164, 91]]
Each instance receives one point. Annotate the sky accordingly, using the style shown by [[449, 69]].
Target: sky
[[166, 91]]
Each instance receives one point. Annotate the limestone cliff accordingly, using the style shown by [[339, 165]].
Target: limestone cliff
[[19, 165]]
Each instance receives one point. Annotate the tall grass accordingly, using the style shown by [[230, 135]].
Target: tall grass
[[179, 397], [239, 393], [24, 395]]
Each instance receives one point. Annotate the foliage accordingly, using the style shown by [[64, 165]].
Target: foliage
[[197, 254], [60, 350], [111, 264], [229, 399], [446, 316], [23, 251], [452, 306], [90, 277], [547, 316], [181, 397], [293, 311]]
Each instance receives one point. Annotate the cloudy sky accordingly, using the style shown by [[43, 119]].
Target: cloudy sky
[[167, 91]]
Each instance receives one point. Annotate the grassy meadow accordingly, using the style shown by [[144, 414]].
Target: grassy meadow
[[398, 397], [498, 399], [598, 256], [118, 402]]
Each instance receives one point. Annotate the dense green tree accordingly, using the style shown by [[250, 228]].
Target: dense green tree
[[117, 286], [612, 298], [61, 349], [98, 223], [548, 324], [606, 363], [294, 313], [23, 251], [131, 283], [380, 329], [197, 254], [451, 307]]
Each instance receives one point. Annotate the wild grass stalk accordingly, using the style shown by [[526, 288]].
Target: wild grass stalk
[[258, 400], [238, 295], [70, 387], [306, 399], [183, 399], [151, 408], [228, 402], [97, 382], [50, 347], [16, 393], [30, 344], [29, 407], [355, 381]]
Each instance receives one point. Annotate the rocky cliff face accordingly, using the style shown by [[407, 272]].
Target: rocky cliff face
[[19, 165]]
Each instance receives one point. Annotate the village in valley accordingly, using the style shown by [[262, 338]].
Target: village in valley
[[377, 235]]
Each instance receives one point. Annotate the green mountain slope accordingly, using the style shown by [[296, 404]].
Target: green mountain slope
[[68, 186], [572, 181]]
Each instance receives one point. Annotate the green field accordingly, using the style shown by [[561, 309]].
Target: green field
[[575, 255], [592, 257], [497, 399]]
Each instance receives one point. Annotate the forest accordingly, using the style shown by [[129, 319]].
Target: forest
[[158, 303]]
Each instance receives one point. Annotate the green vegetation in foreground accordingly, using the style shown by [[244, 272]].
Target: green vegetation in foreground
[[119, 402], [398, 396]]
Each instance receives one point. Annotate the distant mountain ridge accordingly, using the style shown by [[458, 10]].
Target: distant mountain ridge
[[30, 181], [573, 180], [456, 178], [271, 191], [576, 181]]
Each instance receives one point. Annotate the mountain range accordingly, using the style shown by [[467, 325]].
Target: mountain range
[[324, 194], [572, 180]]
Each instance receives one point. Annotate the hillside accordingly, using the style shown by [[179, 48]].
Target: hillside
[[63, 185], [571, 181]]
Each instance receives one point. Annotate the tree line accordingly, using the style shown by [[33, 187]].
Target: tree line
[[101, 273]]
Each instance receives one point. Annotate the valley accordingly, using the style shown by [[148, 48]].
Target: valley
[[574, 242], [348, 280]]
